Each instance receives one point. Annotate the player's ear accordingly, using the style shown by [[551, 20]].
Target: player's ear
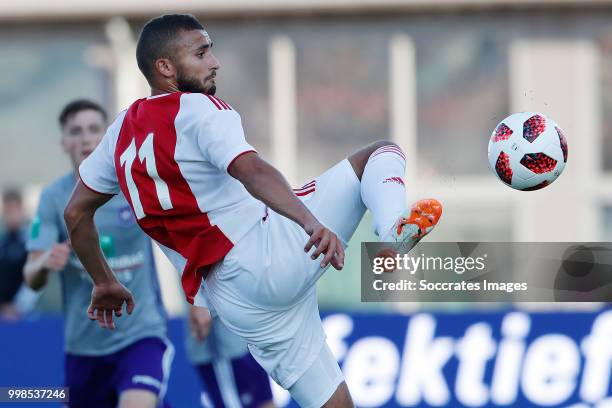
[[165, 67]]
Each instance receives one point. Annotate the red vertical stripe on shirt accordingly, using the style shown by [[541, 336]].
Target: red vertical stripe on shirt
[[184, 228]]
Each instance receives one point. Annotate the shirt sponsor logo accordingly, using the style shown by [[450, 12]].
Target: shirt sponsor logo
[[117, 263], [125, 216], [130, 261]]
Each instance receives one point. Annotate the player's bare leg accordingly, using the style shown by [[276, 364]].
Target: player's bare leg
[[341, 398], [137, 399]]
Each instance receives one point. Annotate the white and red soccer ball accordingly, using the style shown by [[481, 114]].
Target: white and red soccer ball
[[527, 151]]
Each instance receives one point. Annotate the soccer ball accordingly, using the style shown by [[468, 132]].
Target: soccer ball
[[527, 151]]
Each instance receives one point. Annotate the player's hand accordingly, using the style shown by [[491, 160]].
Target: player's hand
[[327, 243], [200, 322], [57, 257], [107, 298]]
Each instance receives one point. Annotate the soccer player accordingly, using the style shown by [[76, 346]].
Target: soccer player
[[231, 376], [130, 366], [12, 253], [224, 214]]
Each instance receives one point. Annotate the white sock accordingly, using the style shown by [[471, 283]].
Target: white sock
[[382, 187]]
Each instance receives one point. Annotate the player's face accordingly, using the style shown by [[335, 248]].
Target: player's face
[[82, 133], [13, 214], [196, 65]]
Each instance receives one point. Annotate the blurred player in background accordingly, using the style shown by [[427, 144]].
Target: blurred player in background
[[128, 367], [12, 252], [232, 378], [220, 211]]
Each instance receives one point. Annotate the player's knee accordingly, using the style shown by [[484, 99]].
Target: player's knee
[[137, 399], [359, 159], [379, 144], [383, 146], [341, 398]]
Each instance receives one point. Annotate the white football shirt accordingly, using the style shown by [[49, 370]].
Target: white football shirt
[[169, 155]]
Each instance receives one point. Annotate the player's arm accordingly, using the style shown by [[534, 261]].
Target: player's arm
[[200, 322], [222, 143], [40, 263], [268, 185], [108, 294], [45, 253]]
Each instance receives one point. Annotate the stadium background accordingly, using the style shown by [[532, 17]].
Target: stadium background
[[314, 80]]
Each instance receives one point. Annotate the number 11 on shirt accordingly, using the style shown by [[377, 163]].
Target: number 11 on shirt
[[146, 154]]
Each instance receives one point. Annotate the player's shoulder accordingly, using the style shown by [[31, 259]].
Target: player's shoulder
[[58, 190], [60, 184], [200, 103]]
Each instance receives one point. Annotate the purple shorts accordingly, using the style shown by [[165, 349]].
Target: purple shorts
[[240, 381], [98, 381]]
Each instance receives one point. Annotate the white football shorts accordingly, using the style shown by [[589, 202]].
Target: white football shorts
[[264, 290]]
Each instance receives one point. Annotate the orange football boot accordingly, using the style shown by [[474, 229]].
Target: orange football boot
[[412, 226]]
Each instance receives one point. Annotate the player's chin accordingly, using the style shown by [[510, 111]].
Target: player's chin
[[211, 89], [78, 159]]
